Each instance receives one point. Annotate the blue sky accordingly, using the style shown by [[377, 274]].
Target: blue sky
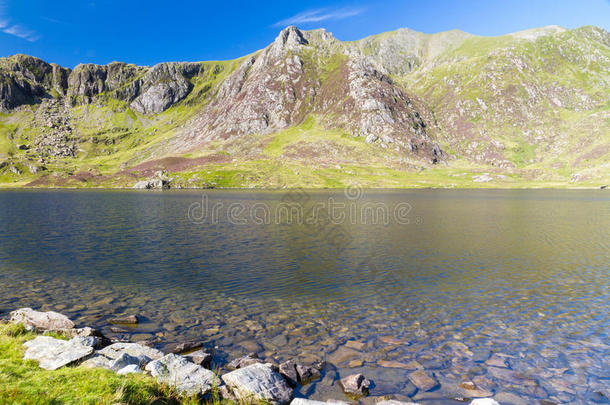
[[69, 32]]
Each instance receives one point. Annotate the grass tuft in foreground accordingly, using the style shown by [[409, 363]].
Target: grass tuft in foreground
[[23, 382]]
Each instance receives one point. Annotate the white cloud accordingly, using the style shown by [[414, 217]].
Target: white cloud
[[322, 14], [21, 32], [15, 29]]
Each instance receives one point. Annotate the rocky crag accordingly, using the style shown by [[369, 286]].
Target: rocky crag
[[396, 109]]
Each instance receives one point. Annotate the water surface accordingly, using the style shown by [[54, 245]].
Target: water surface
[[448, 277]]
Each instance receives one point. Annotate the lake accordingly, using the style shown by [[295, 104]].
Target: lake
[[506, 288]]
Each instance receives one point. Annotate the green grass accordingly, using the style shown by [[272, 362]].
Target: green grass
[[23, 382]]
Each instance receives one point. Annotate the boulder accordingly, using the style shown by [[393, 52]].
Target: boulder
[[303, 401], [187, 377], [125, 360], [356, 384], [41, 321], [307, 373], [423, 381], [130, 369], [484, 401], [52, 353], [258, 382], [289, 370], [106, 357], [200, 357]]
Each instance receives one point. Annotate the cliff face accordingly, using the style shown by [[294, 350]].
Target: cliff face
[[533, 104], [28, 80]]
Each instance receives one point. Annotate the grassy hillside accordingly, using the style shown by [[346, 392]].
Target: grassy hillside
[[530, 109]]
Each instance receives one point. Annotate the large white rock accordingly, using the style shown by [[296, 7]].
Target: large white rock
[[303, 401], [395, 402], [187, 377], [41, 320], [484, 401], [52, 353], [107, 357], [258, 382]]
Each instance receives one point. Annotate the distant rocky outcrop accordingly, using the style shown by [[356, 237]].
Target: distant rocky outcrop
[[28, 80]]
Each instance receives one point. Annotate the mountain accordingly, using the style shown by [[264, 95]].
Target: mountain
[[393, 110]]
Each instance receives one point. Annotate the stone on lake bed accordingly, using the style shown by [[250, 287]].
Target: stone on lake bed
[[396, 364], [497, 361], [356, 384], [244, 361], [423, 381], [355, 363], [354, 344], [52, 353], [42, 321], [395, 402], [187, 377], [258, 382], [179, 348], [127, 320]]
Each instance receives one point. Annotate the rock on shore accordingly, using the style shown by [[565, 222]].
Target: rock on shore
[[258, 382], [40, 321], [187, 377]]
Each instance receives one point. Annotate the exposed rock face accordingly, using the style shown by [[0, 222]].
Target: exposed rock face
[[164, 85], [28, 80], [187, 377], [268, 92], [52, 353], [281, 85], [41, 321], [258, 382]]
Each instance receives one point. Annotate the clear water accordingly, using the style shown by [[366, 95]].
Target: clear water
[[449, 277]]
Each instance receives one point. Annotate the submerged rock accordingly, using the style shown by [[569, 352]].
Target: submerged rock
[[187, 377], [258, 382], [41, 321], [244, 361], [52, 353], [356, 384], [423, 381], [129, 320]]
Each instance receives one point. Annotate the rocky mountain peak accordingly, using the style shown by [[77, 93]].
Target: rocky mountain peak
[[290, 36]]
